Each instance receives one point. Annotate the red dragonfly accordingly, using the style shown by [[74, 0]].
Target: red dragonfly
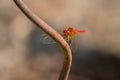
[[70, 33]]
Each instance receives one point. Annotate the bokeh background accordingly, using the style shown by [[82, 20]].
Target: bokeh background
[[24, 56]]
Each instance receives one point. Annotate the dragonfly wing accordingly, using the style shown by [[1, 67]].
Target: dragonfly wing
[[74, 44], [45, 39]]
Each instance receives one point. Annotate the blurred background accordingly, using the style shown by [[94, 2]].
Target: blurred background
[[24, 56]]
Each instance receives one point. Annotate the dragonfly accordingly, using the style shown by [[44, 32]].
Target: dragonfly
[[69, 34]]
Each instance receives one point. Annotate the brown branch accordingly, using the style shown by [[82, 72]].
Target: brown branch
[[55, 35]]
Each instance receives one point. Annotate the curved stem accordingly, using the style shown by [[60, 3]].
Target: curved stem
[[51, 32]]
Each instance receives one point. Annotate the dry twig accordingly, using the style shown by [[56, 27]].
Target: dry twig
[[55, 35]]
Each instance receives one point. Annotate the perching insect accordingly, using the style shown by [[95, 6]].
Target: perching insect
[[69, 35]]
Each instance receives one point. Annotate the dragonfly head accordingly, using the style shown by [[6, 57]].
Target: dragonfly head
[[68, 31]]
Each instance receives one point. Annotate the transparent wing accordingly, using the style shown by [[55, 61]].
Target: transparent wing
[[45, 39], [74, 44]]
